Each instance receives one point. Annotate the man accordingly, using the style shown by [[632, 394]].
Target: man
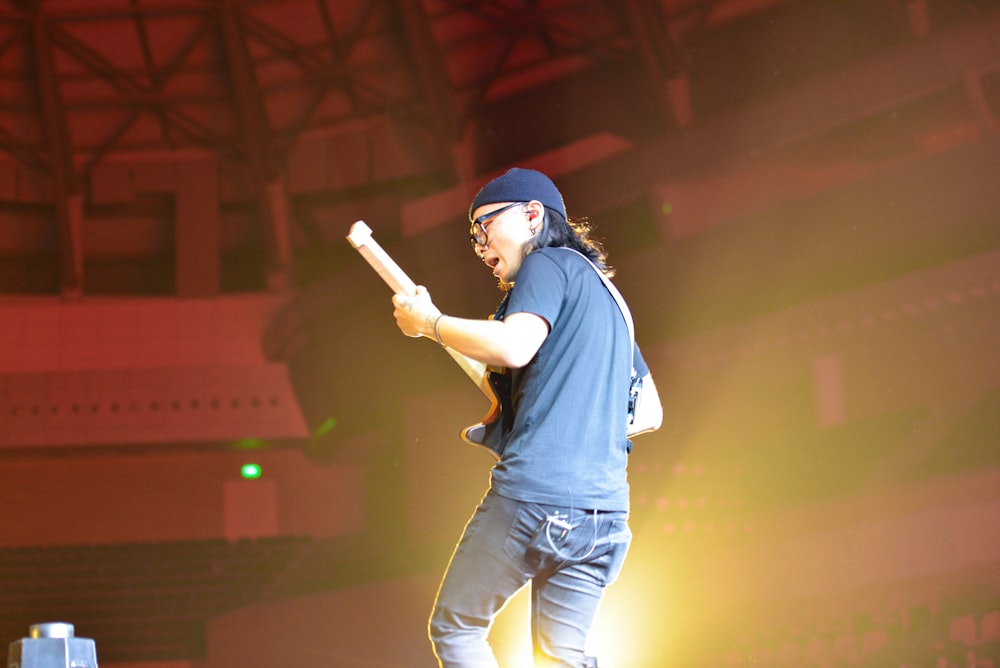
[[556, 512]]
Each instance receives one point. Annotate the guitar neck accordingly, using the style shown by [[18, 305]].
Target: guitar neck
[[393, 275], [361, 238]]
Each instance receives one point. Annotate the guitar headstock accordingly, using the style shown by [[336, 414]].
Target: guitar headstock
[[360, 234]]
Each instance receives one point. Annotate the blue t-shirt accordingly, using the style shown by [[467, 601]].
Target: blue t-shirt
[[567, 445]]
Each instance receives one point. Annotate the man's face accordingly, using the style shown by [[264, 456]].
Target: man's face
[[500, 232]]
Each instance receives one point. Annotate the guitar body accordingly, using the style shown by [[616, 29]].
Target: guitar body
[[490, 433]]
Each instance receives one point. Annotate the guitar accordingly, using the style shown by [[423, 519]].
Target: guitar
[[494, 383]]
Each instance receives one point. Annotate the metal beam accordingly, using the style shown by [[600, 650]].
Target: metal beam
[[136, 92], [67, 202], [436, 89], [147, 60], [263, 164], [664, 64]]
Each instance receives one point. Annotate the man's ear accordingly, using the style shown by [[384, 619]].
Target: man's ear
[[535, 210]]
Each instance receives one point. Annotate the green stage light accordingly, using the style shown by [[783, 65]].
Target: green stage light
[[251, 471], [325, 427]]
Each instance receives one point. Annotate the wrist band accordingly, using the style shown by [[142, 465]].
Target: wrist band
[[437, 334]]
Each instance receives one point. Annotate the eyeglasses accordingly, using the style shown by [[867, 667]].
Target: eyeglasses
[[477, 231]]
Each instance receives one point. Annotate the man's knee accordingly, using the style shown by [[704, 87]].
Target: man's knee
[[438, 626], [448, 630], [459, 643]]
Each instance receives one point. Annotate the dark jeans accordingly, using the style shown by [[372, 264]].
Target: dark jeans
[[495, 559]]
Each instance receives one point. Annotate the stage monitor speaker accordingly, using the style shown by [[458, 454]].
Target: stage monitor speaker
[[52, 645]]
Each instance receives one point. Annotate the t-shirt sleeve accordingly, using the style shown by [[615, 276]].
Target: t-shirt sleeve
[[540, 288]]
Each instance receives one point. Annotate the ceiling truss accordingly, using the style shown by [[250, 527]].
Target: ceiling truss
[[371, 100]]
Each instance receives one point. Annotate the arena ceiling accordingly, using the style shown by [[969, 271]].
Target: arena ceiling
[[194, 147]]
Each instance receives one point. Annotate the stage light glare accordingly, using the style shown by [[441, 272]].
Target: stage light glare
[[251, 471]]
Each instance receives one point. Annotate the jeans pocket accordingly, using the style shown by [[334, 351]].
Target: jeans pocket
[[619, 538], [524, 523]]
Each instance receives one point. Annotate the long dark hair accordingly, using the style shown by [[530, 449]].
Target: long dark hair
[[557, 232], [573, 233]]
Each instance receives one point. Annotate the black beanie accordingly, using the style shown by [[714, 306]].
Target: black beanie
[[520, 185]]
